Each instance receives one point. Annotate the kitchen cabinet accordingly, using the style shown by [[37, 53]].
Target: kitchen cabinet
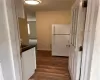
[[28, 63]]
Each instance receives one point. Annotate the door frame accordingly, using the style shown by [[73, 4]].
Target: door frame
[[89, 36], [11, 21]]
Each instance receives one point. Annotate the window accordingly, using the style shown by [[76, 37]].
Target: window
[[28, 26]]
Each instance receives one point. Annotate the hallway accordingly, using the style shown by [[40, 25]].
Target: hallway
[[51, 68]]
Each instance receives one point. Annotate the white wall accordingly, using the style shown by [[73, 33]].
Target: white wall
[[1, 74], [91, 54], [30, 15], [31, 18], [19, 4], [95, 67], [32, 25], [5, 52], [9, 45]]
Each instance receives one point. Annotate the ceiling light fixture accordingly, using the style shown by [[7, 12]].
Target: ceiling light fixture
[[32, 2]]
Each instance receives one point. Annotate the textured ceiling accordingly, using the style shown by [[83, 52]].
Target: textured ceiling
[[51, 5]]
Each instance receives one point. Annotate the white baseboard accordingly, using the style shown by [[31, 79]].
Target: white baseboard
[[44, 49]]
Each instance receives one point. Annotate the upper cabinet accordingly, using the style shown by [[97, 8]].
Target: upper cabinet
[[19, 4]]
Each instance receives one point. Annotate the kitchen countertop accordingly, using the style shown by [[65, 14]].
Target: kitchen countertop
[[27, 47]]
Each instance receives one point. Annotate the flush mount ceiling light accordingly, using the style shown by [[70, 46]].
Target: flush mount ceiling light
[[32, 2]]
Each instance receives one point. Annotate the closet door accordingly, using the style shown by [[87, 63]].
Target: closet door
[[77, 38]]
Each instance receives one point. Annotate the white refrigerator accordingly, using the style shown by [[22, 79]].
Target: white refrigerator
[[60, 39]]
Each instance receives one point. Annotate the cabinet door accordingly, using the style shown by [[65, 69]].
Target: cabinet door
[[28, 63]]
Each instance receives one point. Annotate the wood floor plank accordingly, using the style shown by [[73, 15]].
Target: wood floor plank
[[51, 68]]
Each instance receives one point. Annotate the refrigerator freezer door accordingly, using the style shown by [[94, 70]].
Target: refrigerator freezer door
[[61, 29]]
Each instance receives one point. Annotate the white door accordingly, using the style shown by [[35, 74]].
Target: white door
[[9, 42], [60, 40], [77, 37], [1, 74]]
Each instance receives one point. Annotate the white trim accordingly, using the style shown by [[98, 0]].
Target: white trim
[[44, 49], [1, 74], [92, 11], [13, 36]]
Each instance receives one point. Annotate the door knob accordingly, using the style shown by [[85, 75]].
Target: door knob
[[81, 48]]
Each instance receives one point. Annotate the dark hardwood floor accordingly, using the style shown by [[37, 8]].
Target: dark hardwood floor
[[51, 68]]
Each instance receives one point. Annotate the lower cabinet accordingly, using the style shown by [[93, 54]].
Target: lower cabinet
[[28, 63]]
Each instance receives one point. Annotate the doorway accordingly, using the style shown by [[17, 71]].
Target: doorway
[[76, 41]]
